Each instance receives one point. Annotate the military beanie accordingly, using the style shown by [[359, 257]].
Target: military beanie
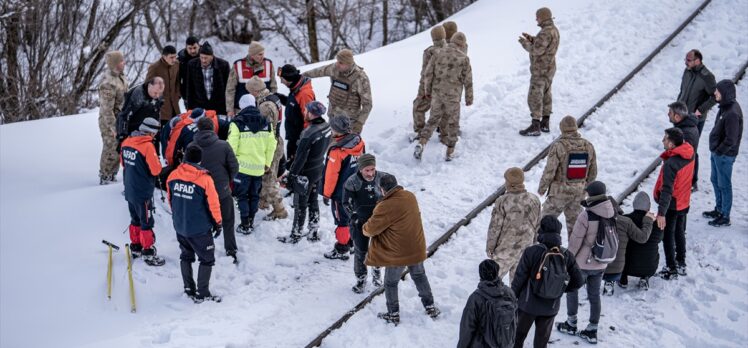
[[438, 33], [568, 124], [488, 270], [255, 48], [515, 179], [345, 56], [113, 58], [450, 28], [642, 201], [254, 84], [459, 39], [543, 14], [366, 160]]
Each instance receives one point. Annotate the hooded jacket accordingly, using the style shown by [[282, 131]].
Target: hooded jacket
[[252, 139], [181, 129], [628, 231], [583, 235], [140, 167], [474, 316], [728, 127], [672, 190], [193, 200], [219, 159], [341, 164], [642, 259]]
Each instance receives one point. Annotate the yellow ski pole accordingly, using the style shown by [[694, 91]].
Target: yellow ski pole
[[109, 269], [129, 275]]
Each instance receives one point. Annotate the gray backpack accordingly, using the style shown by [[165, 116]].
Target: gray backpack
[[605, 248]]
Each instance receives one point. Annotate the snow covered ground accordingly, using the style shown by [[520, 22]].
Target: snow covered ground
[[53, 215]]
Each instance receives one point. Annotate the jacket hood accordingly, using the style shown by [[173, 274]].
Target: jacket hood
[[350, 142], [727, 89], [546, 23], [205, 138], [603, 208], [251, 118], [191, 171], [493, 289], [688, 121], [685, 151]]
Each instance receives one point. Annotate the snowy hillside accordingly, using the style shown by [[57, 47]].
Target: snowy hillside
[[53, 214]]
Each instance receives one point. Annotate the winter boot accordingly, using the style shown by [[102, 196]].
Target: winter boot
[[695, 187], [202, 297], [376, 277], [721, 221], [351, 246], [532, 131], [713, 214], [566, 328], [623, 282], [643, 284], [668, 273], [681, 270], [589, 335], [393, 317], [299, 217], [246, 227], [151, 259], [337, 253], [203, 282], [414, 136], [232, 254], [190, 293], [263, 205], [418, 152], [279, 212], [450, 154], [544, 127], [360, 285], [313, 227], [608, 288], [432, 311], [136, 250], [187, 279]]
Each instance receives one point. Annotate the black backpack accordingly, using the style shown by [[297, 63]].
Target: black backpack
[[550, 278], [501, 317]]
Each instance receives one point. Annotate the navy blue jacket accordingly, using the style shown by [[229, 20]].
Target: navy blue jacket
[[194, 201], [141, 165]]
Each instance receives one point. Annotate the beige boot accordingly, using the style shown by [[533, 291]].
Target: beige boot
[[279, 212], [450, 154]]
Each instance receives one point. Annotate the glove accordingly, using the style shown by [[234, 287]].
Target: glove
[[326, 201], [217, 231]]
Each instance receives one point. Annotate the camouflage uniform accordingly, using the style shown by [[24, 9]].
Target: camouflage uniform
[[447, 73], [422, 104], [269, 193], [514, 222], [350, 94], [542, 49], [111, 98], [565, 194]]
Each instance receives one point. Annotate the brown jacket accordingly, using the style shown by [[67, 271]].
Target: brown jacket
[[171, 86], [396, 231]]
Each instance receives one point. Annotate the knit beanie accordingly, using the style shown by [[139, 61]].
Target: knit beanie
[[315, 109], [206, 49], [340, 124], [595, 188], [290, 73], [150, 125], [549, 224], [113, 58], [568, 124], [515, 179], [366, 160], [197, 113], [255, 85], [488, 270], [193, 154], [438, 33], [459, 39], [450, 28], [642, 201], [255, 48], [247, 100], [543, 14], [345, 56]]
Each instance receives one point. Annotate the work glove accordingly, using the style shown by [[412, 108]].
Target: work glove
[[217, 231]]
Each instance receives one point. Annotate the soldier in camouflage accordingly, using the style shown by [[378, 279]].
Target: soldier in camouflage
[[270, 107], [447, 74], [254, 64], [111, 98], [350, 92], [542, 49], [571, 165], [514, 220], [422, 104]]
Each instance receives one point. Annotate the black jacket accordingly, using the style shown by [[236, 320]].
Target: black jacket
[[697, 89], [474, 315], [310, 155], [361, 196], [642, 258], [183, 57], [138, 106], [218, 159], [196, 96], [530, 260], [728, 127], [294, 118], [689, 126]]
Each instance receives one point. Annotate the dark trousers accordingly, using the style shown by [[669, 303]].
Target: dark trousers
[[361, 247], [392, 278], [543, 329], [674, 238], [700, 127], [592, 280], [203, 246], [141, 214], [247, 190], [227, 216], [305, 196]]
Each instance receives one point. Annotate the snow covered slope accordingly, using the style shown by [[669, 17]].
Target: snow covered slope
[[53, 215]]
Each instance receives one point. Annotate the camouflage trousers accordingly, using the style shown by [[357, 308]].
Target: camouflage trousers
[[567, 201], [539, 98], [109, 161], [270, 193], [445, 114], [420, 106], [508, 261]]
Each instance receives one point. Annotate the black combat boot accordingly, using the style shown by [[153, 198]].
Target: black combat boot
[[532, 131], [544, 127]]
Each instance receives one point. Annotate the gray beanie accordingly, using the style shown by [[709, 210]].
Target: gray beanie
[[642, 201], [340, 124], [366, 160], [150, 125]]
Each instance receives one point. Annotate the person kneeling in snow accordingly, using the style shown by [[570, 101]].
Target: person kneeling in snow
[[642, 259], [141, 167], [196, 212]]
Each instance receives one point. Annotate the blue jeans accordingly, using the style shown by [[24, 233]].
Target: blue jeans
[[722, 181]]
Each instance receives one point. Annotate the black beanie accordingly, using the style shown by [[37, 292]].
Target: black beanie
[[488, 270], [290, 73], [193, 154], [595, 188], [549, 224], [206, 49]]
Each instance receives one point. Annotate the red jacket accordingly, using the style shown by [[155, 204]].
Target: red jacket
[[339, 165], [177, 140], [673, 188]]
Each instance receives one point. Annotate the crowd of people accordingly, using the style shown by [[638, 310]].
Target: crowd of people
[[227, 151]]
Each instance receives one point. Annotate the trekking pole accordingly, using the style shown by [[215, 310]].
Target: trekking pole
[[109, 269], [129, 275]]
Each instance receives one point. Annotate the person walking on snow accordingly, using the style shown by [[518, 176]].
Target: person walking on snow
[[141, 166], [422, 104]]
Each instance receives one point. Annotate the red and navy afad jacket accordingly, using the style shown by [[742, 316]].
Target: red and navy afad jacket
[[181, 130], [341, 164], [673, 188], [193, 199], [141, 166]]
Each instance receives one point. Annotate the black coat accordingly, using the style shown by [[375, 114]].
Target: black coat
[[474, 316], [219, 159], [530, 260], [137, 107], [196, 96], [642, 259], [183, 58], [689, 126], [728, 126], [697, 89], [310, 155]]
